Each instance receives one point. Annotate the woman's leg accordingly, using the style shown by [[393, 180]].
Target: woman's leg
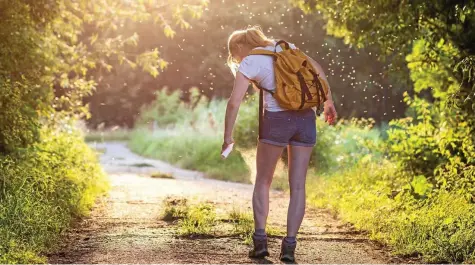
[[299, 158], [266, 160]]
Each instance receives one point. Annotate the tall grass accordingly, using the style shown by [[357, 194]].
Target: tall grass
[[439, 229], [199, 152], [42, 189]]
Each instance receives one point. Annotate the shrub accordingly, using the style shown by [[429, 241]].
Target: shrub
[[42, 189], [436, 143]]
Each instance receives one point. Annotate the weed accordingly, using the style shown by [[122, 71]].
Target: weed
[[161, 175]]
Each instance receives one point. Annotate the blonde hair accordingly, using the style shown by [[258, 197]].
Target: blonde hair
[[252, 37]]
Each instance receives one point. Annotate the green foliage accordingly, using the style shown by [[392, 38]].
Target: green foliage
[[169, 109], [243, 225], [197, 59], [374, 197], [191, 151], [247, 126], [174, 208], [42, 189], [192, 219], [342, 146], [439, 35], [199, 220], [107, 135], [19, 119], [435, 143], [48, 49]]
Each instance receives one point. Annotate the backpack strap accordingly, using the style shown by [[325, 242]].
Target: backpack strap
[[261, 112], [261, 105], [283, 44], [261, 88], [262, 52]]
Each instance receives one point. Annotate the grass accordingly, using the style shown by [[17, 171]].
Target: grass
[[243, 225], [175, 208], [161, 175], [199, 152], [193, 220], [200, 219], [107, 135], [348, 174], [440, 228]]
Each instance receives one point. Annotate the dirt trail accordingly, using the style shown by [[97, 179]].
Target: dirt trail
[[126, 227]]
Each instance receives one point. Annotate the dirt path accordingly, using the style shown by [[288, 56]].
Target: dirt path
[[126, 227]]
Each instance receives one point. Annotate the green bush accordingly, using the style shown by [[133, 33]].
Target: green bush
[[42, 189], [437, 144], [343, 145]]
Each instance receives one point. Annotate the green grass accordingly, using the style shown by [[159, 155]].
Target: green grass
[[199, 152], [440, 228], [161, 175], [109, 135], [199, 220], [192, 219], [175, 208], [43, 189], [243, 225]]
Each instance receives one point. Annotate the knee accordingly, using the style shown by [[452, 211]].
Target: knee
[[263, 181]]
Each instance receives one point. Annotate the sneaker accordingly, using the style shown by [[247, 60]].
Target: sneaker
[[287, 251], [260, 247]]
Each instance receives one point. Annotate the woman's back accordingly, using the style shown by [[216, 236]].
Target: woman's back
[[260, 68]]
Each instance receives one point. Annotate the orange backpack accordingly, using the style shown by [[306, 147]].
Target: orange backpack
[[298, 85]]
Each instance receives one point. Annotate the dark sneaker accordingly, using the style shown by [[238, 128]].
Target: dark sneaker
[[260, 247], [287, 251]]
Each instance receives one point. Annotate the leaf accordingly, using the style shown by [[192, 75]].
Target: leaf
[[169, 32], [93, 38]]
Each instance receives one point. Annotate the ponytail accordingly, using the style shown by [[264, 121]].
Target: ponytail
[[252, 37]]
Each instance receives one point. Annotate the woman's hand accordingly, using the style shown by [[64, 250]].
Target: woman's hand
[[226, 143], [329, 112]]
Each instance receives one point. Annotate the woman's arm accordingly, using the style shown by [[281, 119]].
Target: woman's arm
[[240, 87]]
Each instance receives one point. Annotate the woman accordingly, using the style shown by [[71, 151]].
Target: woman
[[281, 128]]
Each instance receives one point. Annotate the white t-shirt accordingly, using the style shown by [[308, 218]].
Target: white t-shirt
[[260, 68]]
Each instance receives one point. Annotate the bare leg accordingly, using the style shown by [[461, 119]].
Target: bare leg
[[266, 160], [299, 158]]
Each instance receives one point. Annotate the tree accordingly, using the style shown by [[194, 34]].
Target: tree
[[436, 41], [439, 35], [197, 59], [49, 47]]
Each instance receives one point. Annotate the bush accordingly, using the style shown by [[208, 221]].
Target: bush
[[42, 189], [437, 144], [342, 146], [19, 120]]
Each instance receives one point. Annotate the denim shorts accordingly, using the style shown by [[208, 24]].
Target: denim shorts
[[282, 128]]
